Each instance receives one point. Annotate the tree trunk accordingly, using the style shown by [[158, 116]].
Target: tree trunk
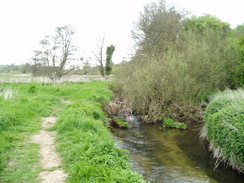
[[54, 82]]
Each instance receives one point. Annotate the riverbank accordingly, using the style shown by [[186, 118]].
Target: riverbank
[[87, 148], [89, 151], [224, 127]]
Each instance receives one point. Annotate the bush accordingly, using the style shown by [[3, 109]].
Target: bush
[[177, 81], [178, 62], [224, 127]]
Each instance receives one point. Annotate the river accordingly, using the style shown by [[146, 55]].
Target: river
[[172, 155]]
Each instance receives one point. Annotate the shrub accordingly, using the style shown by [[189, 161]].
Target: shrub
[[177, 81], [224, 127], [178, 62]]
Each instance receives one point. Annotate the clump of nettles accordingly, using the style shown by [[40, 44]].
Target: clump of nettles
[[170, 123], [224, 127]]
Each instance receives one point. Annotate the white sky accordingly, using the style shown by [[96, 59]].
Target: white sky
[[25, 22]]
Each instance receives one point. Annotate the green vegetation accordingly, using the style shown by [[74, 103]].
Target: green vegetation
[[19, 119], [236, 74], [88, 149], [224, 127], [203, 23], [170, 123], [178, 63], [109, 53], [121, 123], [89, 152], [22, 68], [54, 56]]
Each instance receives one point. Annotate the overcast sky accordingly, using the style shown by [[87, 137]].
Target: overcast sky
[[25, 22]]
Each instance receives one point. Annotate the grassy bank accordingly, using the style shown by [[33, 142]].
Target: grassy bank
[[89, 151], [20, 112], [224, 127], [86, 146]]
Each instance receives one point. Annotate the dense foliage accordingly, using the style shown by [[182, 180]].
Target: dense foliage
[[178, 63], [224, 127], [109, 53]]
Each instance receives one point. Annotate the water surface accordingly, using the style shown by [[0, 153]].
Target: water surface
[[172, 156]]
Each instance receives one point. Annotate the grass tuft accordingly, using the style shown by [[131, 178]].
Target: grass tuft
[[224, 127]]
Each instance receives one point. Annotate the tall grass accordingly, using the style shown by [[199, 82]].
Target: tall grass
[[224, 127], [88, 149]]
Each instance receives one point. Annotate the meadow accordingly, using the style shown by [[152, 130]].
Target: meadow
[[88, 150]]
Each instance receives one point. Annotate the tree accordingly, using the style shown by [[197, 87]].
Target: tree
[[159, 26], [109, 53], [56, 54], [240, 30], [206, 22], [100, 57]]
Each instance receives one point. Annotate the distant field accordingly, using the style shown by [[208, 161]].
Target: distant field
[[27, 78]]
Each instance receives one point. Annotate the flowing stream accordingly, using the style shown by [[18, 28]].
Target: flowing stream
[[172, 155]]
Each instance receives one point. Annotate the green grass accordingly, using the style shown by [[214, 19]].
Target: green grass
[[19, 119], [224, 127], [170, 123], [88, 150]]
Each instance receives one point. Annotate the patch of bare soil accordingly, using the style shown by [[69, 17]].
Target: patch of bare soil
[[67, 101], [49, 159]]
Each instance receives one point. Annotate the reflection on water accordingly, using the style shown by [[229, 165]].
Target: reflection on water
[[172, 156]]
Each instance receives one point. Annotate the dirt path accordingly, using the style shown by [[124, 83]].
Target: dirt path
[[49, 159]]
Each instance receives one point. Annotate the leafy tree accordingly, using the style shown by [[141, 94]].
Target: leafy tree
[[177, 64], [240, 30], [203, 23], [236, 75], [109, 53], [159, 25]]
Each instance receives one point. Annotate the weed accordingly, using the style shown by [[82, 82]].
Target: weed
[[120, 123], [170, 123]]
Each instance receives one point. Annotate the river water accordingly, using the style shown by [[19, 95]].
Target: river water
[[172, 155]]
